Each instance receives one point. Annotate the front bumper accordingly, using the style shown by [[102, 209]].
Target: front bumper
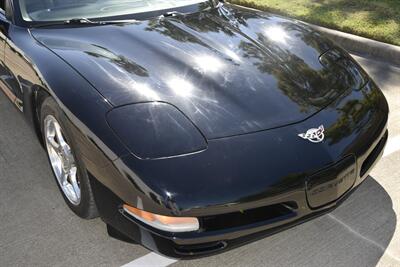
[[201, 243], [274, 203]]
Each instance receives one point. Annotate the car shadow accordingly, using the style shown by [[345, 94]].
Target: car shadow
[[357, 233]]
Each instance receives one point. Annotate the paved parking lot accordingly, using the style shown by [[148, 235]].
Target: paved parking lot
[[37, 229]]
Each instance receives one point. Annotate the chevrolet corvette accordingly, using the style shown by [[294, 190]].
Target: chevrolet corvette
[[190, 126]]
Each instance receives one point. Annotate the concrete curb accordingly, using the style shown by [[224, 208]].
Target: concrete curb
[[360, 45]]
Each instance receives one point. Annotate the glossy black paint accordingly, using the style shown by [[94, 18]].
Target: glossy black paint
[[242, 96], [219, 67]]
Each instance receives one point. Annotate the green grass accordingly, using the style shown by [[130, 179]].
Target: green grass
[[375, 19]]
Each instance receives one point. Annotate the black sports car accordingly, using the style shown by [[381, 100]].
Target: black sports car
[[190, 126]]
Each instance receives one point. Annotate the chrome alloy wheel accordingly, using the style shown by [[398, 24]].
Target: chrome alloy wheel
[[62, 160]]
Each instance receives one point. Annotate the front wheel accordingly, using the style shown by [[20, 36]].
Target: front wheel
[[68, 168]]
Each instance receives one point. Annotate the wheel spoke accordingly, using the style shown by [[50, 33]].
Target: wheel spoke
[[60, 136], [63, 178], [74, 181], [52, 142]]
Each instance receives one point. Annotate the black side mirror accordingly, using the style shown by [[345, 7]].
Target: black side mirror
[[8, 8]]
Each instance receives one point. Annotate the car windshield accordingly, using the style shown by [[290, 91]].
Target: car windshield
[[60, 10]]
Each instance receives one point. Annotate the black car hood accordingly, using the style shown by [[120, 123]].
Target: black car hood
[[230, 70]]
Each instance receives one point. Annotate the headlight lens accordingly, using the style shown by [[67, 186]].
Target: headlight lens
[[155, 130], [165, 223]]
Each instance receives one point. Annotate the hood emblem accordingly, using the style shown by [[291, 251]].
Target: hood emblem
[[314, 135]]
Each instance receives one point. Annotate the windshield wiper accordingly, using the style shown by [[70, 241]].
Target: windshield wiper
[[172, 14], [83, 21]]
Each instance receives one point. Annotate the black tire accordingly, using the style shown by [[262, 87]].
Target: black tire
[[87, 207]]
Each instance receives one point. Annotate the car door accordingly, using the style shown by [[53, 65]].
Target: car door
[[16, 69]]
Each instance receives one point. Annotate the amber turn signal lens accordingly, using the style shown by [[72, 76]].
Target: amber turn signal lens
[[165, 223]]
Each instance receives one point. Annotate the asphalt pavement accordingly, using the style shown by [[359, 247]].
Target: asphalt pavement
[[38, 229]]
